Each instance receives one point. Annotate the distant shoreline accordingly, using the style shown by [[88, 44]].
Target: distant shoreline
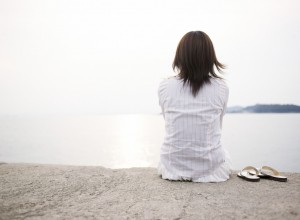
[[265, 108]]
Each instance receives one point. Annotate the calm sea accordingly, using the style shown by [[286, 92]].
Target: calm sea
[[121, 141]]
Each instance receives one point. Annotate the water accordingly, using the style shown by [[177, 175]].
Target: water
[[121, 141]]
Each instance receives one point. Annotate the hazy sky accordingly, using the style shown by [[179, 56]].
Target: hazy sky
[[109, 56]]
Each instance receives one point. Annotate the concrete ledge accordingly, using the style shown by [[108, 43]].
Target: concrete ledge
[[68, 192]]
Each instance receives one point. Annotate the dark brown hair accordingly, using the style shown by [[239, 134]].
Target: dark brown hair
[[195, 60]]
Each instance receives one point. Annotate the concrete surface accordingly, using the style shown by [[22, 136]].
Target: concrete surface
[[32, 191]]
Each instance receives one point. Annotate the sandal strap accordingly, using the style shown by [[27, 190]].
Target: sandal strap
[[248, 168], [275, 172]]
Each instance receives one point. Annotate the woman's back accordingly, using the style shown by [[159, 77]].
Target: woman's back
[[192, 145], [193, 104]]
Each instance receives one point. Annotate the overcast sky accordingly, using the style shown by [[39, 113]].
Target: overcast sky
[[109, 56]]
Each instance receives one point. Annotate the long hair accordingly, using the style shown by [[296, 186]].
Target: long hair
[[195, 60]]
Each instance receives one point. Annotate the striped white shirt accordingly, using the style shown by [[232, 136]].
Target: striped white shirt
[[192, 147]]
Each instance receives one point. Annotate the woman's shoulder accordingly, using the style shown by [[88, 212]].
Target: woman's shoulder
[[168, 80], [220, 82], [222, 87]]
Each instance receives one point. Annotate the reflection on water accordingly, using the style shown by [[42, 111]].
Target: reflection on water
[[121, 141], [115, 141], [138, 139]]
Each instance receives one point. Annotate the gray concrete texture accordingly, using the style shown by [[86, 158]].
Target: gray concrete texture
[[32, 191]]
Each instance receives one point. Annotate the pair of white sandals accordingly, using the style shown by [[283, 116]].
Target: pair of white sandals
[[254, 175]]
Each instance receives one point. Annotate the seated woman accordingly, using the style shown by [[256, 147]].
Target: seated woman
[[193, 105]]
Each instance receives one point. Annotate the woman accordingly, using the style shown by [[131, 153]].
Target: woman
[[193, 104]]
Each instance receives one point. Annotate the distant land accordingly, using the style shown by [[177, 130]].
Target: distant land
[[264, 108]]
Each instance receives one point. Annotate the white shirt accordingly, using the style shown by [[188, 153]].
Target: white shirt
[[192, 147]]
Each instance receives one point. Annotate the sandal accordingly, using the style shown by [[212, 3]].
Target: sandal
[[271, 173], [246, 174]]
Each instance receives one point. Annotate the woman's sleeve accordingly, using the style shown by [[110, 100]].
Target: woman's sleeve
[[162, 94], [225, 96]]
